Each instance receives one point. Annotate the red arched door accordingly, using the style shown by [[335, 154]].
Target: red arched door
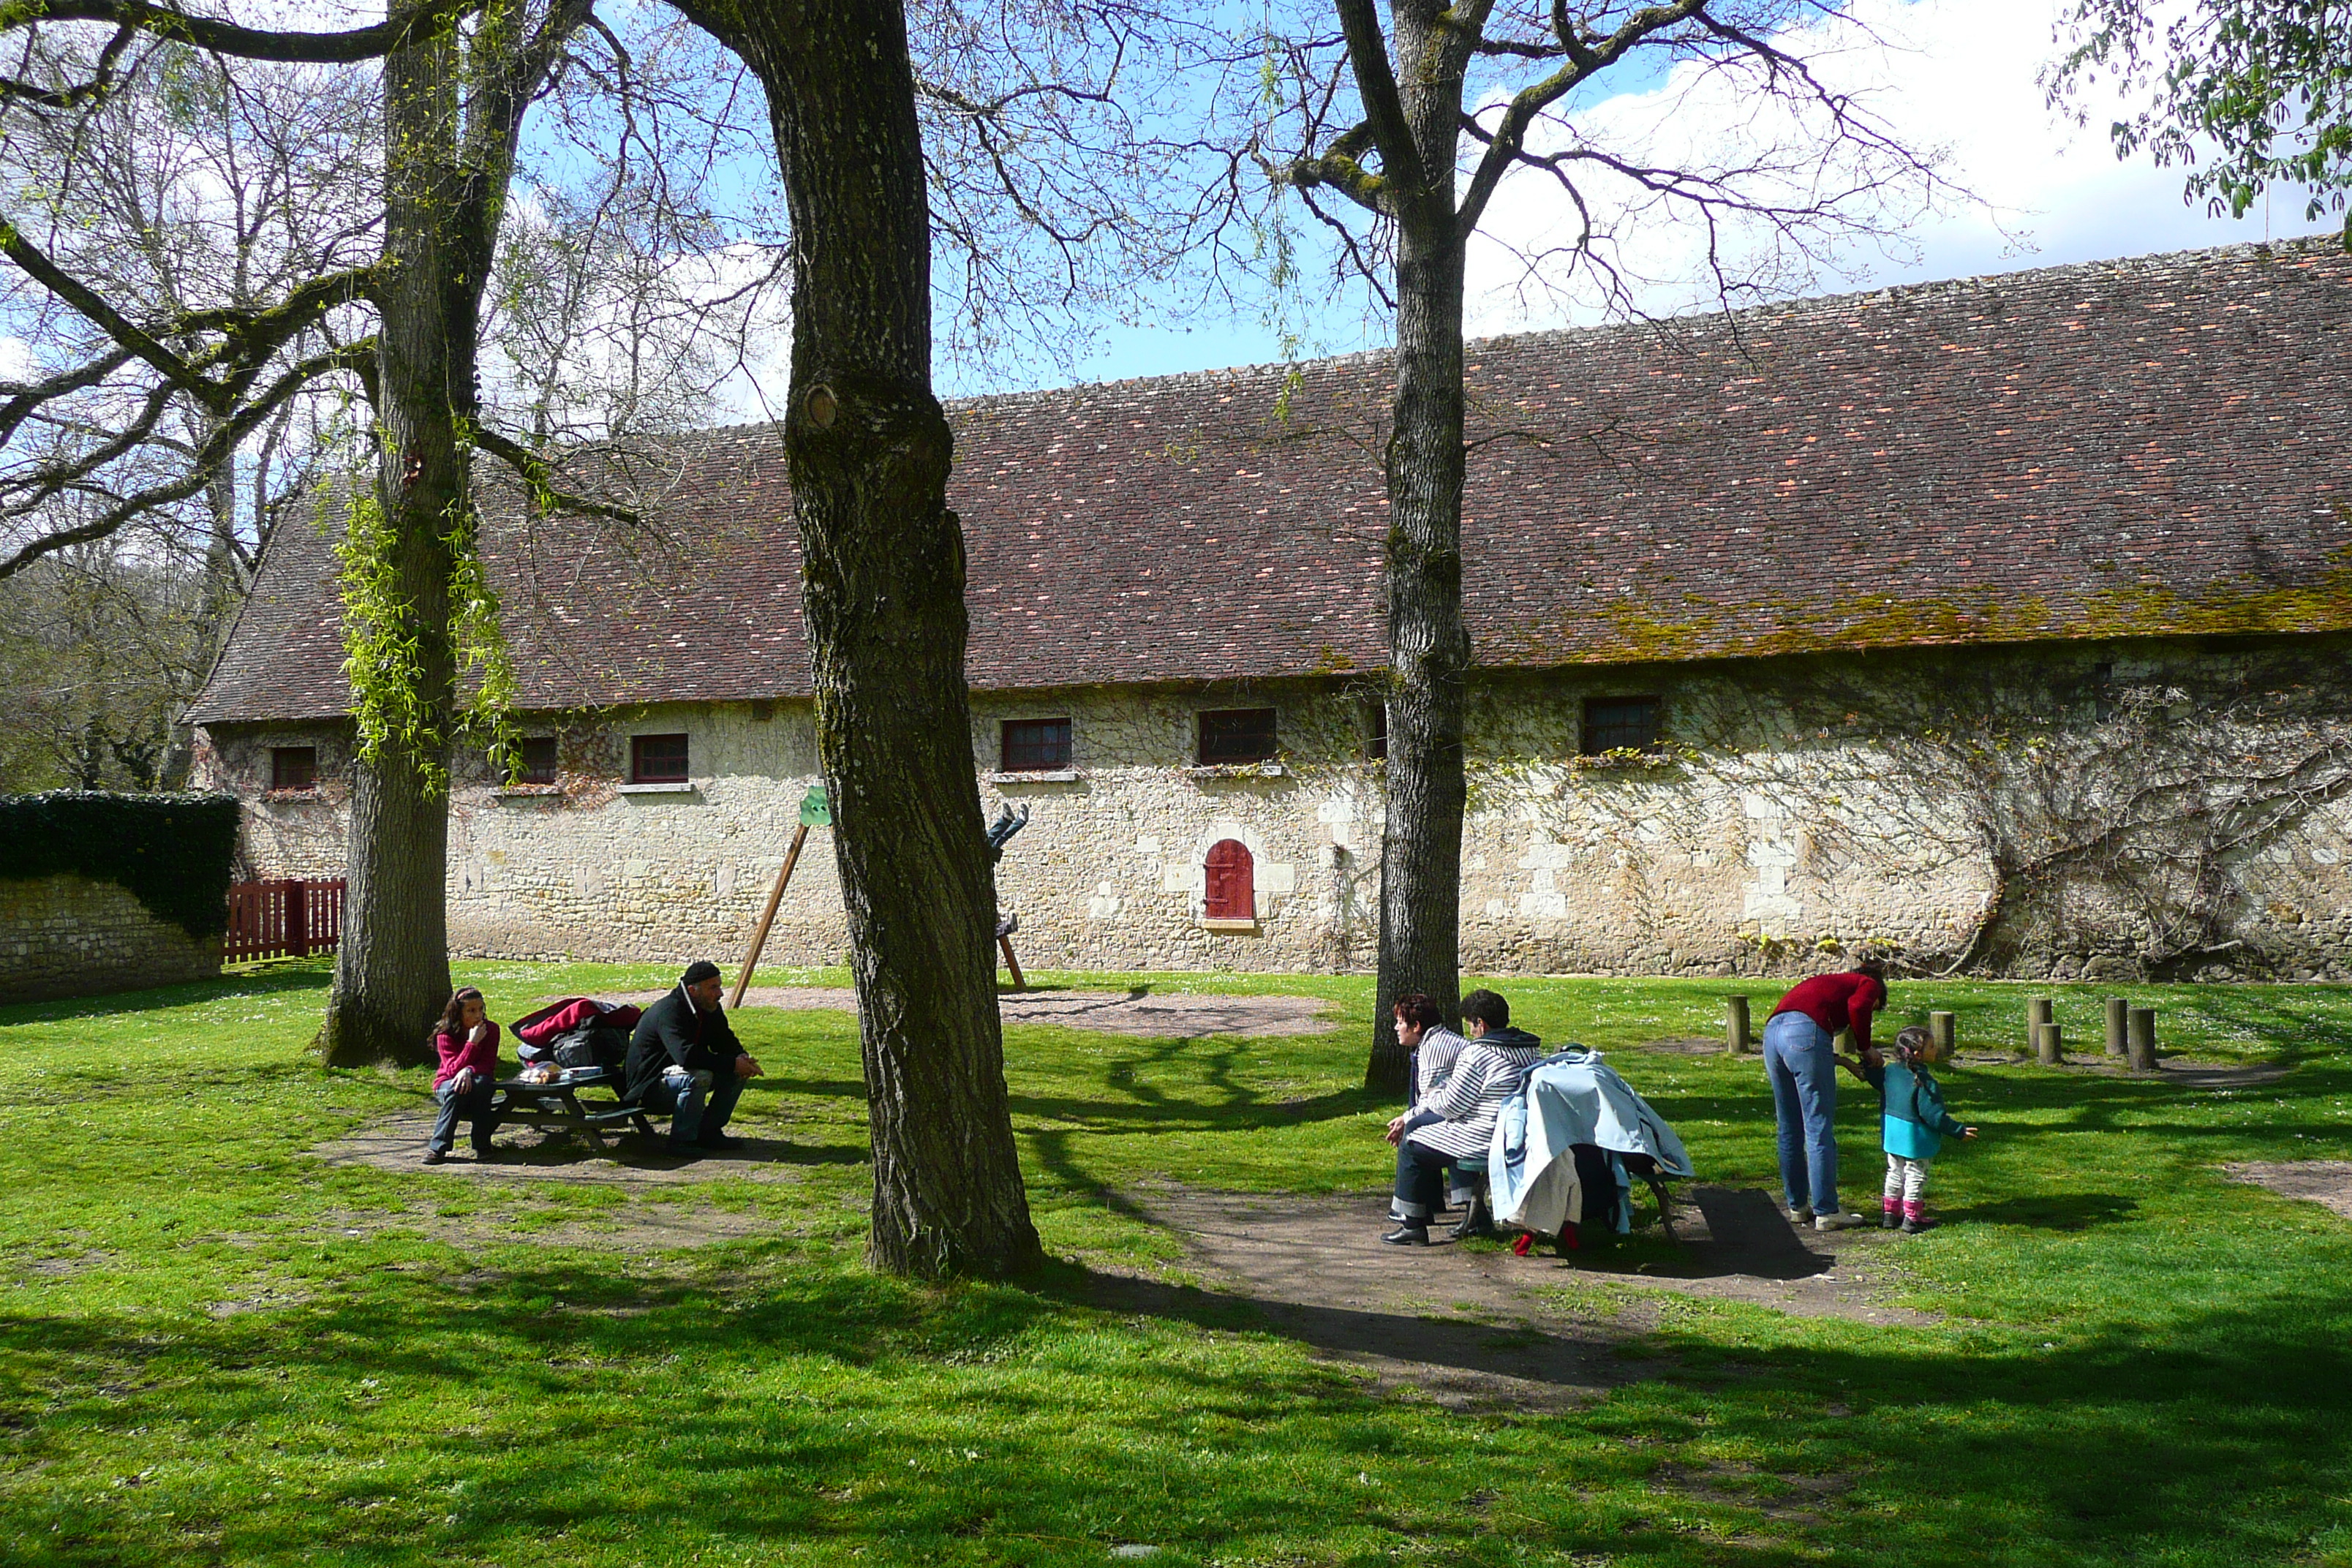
[[1233, 888]]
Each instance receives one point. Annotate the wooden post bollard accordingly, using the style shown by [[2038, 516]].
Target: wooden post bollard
[[2139, 1039], [1735, 1024], [2049, 1046], [2119, 1025], [1942, 1034], [2037, 1013]]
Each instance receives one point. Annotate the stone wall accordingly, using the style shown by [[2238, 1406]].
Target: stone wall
[[2167, 809], [70, 936]]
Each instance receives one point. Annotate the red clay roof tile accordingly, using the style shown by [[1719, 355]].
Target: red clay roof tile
[[2129, 448]]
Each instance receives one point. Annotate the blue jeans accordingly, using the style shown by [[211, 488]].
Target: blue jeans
[[474, 1106], [693, 1111], [1800, 1058]]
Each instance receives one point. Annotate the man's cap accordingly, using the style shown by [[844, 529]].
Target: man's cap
[[700, 970]]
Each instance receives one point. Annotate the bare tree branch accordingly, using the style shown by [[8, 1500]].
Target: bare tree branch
[[396, 31]]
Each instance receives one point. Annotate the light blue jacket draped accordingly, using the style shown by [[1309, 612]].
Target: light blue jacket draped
[[1570, 1097]]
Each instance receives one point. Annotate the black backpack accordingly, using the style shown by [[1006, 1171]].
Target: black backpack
[[591, 1046]]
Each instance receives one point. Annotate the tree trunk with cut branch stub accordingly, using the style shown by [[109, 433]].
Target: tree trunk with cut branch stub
[[868, 448]]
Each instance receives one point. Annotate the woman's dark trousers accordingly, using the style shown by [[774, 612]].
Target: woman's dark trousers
[[474, 1105]]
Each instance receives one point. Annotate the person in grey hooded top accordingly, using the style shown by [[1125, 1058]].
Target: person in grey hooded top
[[1457, 1122]]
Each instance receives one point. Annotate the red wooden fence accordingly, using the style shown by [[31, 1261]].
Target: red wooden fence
[[283, 919]]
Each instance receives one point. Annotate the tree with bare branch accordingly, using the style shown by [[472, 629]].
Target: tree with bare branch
[[869, 451], [1405, 132], [1013, 98], [242, 236], [455, 81]]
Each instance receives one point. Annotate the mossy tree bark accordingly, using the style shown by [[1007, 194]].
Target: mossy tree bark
[[453, 110], [868, 449], [392, 971]]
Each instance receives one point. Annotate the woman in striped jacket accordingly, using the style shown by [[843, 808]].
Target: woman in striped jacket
[[1457, 1122]]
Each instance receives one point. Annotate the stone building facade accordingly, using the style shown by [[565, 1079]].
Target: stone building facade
[[2001, 623]]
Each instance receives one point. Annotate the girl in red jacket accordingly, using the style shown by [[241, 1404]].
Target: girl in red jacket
[[467, 1043]]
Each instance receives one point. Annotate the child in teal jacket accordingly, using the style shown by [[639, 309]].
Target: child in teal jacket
[[1912, 1126]]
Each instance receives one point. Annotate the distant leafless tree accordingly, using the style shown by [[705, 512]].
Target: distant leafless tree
[[2118, 817], [1404, 127], [185, 200], [101, 645]]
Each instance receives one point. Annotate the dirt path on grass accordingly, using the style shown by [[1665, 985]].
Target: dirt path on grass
[[478, 1205], [1474, 1325], [2325, 1182], [1139, 1012], [1465, 1326]]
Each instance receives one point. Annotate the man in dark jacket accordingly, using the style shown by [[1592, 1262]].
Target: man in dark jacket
[[684, 1061]]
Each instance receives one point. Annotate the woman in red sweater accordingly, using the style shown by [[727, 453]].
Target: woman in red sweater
[[1802, 1063], [467, 1043]]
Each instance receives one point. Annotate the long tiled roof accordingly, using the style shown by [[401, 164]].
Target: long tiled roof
[[2146, 447]]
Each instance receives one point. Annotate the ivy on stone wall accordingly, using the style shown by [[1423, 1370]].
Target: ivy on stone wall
[[171, 852]]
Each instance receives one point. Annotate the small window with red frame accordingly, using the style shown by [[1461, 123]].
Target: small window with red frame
[[293, 767], [657, 759]]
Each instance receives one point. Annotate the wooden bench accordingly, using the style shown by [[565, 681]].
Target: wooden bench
[[557, 1104]]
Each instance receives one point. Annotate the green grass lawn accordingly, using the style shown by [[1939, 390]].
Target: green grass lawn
[[214, 1349]]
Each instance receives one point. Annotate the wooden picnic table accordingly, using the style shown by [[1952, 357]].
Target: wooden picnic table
[[557, 1104]]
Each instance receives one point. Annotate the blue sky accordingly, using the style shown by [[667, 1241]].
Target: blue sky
[[1960, 77]]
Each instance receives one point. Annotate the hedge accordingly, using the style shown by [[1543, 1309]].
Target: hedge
[[172, 851]]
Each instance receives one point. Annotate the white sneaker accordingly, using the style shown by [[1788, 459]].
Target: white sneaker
[[1801, 1217], [1839, 1221]]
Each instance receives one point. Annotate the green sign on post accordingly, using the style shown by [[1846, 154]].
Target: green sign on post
[[816, 812]]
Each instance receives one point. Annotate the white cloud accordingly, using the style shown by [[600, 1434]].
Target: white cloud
[[1960, 76]]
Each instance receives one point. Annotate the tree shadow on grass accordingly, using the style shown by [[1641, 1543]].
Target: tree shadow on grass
[[636, 1150], [792, 1390], [1129, 1103], [2050, 1211], [1217, 1101], [1572, 1363]]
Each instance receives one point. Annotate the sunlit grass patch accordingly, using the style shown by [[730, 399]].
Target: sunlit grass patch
[[215, 1349]]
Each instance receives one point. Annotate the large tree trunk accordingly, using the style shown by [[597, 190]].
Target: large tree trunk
[[868, 447], [1429, 647], [392, 973]]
